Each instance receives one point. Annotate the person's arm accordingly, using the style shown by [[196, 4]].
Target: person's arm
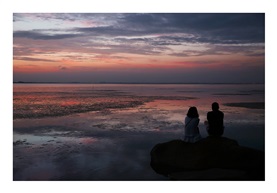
[[222, 119], [195, 122], [208, 116], [186, 120], [195, 130]]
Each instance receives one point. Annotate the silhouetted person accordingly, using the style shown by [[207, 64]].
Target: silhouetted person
[[215, 126], [191, 132]]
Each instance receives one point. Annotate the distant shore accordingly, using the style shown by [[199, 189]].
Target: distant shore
[[250, 105], [23, 82]]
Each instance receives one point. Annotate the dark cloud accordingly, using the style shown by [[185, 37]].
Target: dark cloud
[[214, 26], [114, 31], [128, 48], [33, 59], [62, 67], [46, 16], [41, 36], [228, 74], [205, 28]]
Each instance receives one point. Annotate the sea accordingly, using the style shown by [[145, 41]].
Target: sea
[[105, 132]]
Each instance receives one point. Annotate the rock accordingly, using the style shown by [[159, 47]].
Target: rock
[[212, 158]]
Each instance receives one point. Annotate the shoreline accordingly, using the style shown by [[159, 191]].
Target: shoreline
[[135, 83]]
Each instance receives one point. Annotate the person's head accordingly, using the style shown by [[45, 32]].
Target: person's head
[[215, 106], [192, 112]]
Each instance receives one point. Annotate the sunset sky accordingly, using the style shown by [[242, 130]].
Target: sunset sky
[[141, 48]]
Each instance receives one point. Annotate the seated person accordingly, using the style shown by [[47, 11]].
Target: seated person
[[191, 131], [215, 126]]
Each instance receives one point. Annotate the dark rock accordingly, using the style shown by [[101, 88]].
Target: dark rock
[[212, 158]]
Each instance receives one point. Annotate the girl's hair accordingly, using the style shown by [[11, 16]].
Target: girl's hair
[[192, 112]]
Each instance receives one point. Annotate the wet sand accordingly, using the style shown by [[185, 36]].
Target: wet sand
[[102, 145], [52, 141]]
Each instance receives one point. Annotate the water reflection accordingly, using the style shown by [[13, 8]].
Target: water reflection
[[114, 144]]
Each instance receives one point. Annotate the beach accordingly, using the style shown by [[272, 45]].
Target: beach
[[106, 131]]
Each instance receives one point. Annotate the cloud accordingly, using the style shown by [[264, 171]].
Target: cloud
[[209, 26], [204, 28], [196, 28], [33, 59], [159, 34], [62, 67], [229, 74], [42, 36]]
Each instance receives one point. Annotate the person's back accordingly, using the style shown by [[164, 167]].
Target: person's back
[[191, 130], [215, 121]]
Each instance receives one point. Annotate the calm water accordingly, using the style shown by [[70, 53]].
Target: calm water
[[106, 132]]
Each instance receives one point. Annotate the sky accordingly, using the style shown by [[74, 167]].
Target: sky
[[139, 47]]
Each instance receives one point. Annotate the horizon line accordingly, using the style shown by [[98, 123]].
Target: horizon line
[[103, 82]]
